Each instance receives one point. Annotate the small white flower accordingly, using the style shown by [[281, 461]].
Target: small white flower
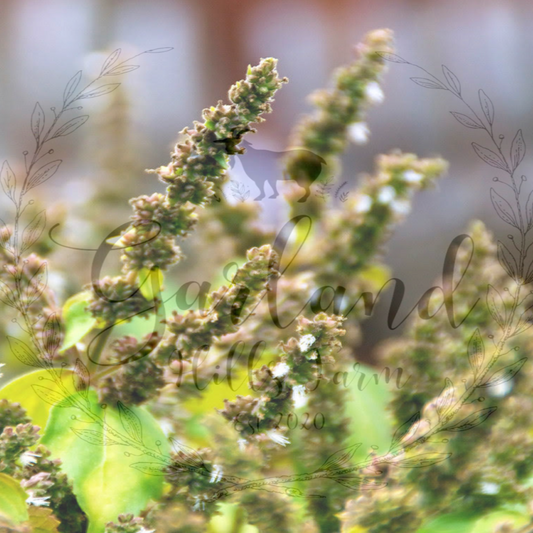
[[306, 342], [373, 93], [80, 346], [364, 203], [490, 488], [299, 396], [312, 356], [144, 530], [199, 504], [276, 437], [29, 458], [386, 195], [166, 426], [216, 474], [38, 501], [410, 176], [280, 370], [242, 444], [358, 132], [501, 389], [401, 207], [259, 405]]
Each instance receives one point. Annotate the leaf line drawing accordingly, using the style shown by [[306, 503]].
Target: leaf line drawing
[[239, 191], [324, 188], [339, 467], [342, 196], [485, 371]]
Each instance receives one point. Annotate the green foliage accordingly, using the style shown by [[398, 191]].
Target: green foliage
[[12, 502], [369, 420], [76, 319], [20, 391], [473, 523], [151, 282], [230, 520], [104, 481], [103, 446], [42, 520]]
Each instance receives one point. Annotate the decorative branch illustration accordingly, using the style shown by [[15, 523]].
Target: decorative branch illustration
[[324, 188], [342, 196], [131, 434], [24, 288], [255, 273], [239, 191], [198, 165], [417, 431]]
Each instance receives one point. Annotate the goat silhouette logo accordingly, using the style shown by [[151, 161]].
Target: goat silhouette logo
[[264, 166]]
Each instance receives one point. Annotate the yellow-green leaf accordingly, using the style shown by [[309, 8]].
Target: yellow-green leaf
[[42, 520], [104, 481], [369, 421], [462, 522], [151, 282], [78, 321], [230, 518], [21, 390], [12, 502]]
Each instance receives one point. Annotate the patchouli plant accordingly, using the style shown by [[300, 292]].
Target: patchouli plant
[[237, 403]]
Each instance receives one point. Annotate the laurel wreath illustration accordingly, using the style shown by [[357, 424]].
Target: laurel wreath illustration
[[339, 467]]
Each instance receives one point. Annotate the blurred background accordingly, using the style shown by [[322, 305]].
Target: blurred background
[[486, 43]]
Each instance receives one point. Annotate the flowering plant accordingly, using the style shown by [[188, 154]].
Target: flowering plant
[[113, 430]]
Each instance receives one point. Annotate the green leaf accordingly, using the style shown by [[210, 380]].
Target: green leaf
[[151, 282], [230, 518], [223, 160], [367, 409], [42, 520], [450, 523], [489, 521], [20, 390], [104, 480], [78, 321], [12, 502], [472, 523]]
